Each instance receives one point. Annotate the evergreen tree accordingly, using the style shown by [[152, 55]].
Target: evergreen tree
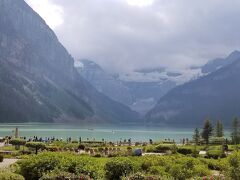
[[207, 131], [219, 129], [196, 136], [235, 131]]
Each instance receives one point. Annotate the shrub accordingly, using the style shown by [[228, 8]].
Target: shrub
[[81, 146], [215, 154], [146, 165], [201, 170], [1, 158], [150, 149], [187, 167], [118, 167], [36, 166], [61, 175], [158, 170], [71, 146], [163, 148], [17, 143], [97, 155], [213, 164], [234, 166], [52, 148], [100, 149], [27, 152], [184, 151], [36, 145], [129, 148], [179, 172], [10, 176]]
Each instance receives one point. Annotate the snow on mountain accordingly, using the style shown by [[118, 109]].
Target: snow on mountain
[[178, 76]]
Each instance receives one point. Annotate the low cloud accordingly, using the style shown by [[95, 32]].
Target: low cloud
[[122, 35]]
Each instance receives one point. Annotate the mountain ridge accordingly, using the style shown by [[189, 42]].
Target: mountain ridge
[[40, 82], [139, 96], [214, 95]]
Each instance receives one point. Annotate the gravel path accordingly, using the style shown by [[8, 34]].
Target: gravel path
[[7, 162]]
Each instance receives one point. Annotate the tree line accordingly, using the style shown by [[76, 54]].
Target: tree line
[[208, 131]]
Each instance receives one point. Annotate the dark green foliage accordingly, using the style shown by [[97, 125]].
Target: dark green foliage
[[177, 166], [235, 131], [57, 164], [185, 151], [61, 175], [163, 148], [158, 170], [17, 142], [118, 167], [196, 136], [219, 129], [81, 146], [187, 168], [207, 131], [215, 164], [1, 158], [234, 166], [75, 141], [44, 163], [174, 148], [217, 140], [10, 176], [215, 154], [25, 152], [52, 148], [145, 166], [195, 152], [36, 146], [98, 155]]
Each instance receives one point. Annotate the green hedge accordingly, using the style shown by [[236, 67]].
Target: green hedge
[[59, 164], [118, 167], [41, 164], [163, 148], [10, 176], [215, 154]]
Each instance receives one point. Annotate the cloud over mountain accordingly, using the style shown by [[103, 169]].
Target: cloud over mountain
[[168, 33]]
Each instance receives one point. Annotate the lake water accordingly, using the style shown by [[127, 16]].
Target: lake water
[[109, 133]]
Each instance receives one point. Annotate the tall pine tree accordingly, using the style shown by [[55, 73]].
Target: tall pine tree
[[196, 136], [207, 131], [219, 129], [235, 131]]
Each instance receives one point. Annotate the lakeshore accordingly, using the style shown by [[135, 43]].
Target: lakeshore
[[108, 133], [206, 154]]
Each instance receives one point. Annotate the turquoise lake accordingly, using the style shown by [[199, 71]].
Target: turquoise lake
[[109, 133]]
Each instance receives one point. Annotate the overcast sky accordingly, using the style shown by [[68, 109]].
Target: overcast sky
[[122, 35]]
